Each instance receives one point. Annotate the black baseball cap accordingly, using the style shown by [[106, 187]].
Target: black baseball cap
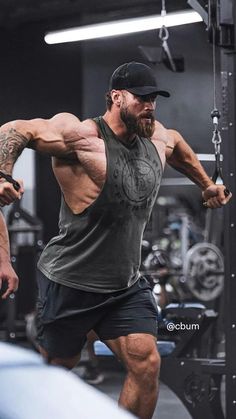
[[137, 78]]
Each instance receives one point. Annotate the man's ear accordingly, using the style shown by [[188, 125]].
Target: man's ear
[[116, 97]]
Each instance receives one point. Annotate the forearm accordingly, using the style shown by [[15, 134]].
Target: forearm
[[4, 241], [186, 161], [13, 140], [7, 274]]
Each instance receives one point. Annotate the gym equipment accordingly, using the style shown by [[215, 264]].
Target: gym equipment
[[203, 269], [227, 71], [215, 114], [199, 378], [164, 347], [185, 260], [10, 179], [23, 257], [163, 55], [172, 62], [204, 264], [195, 379]]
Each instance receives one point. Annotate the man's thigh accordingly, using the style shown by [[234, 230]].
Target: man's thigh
[[134, 312]]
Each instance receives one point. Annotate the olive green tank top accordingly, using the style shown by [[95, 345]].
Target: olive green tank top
[[99, 250]]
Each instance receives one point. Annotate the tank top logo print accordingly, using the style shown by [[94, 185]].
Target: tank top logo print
[[136, 180]]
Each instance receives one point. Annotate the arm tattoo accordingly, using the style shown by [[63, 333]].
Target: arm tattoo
[[12, 143]]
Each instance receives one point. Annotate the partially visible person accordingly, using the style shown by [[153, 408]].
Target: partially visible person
[[8, 193], [30, 389], [9, 280]]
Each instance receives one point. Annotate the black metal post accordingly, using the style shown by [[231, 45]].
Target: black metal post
[[228, 120]]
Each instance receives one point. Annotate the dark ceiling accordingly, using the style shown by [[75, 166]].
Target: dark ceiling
[[18, 12]]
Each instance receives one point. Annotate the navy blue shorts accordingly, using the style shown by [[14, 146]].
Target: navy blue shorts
[[65, 315]]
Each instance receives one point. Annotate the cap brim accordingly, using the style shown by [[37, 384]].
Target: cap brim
[[163, 93], [147, 90]]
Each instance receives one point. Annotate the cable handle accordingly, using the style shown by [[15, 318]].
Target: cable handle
[[217, 177], [10, 179], [226, 193]]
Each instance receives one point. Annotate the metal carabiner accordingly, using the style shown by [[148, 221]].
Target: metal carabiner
[[163, 33]]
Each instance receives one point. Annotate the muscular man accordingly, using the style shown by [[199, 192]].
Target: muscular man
[[109, 170]]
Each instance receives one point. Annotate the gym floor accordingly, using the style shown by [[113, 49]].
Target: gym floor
[[169, 406]]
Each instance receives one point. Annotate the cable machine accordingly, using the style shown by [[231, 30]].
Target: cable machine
[[200, 380], [227, 40]]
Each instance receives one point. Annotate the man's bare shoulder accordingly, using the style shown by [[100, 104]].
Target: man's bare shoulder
[[91, 126], [65, 122], [72, 127], [164, 140], [64, 117], [168, 135], [160, 133]]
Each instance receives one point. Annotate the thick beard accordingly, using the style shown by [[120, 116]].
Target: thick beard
[[136, 125]]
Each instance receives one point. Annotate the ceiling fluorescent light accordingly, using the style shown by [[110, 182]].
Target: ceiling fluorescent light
[[121, 27]]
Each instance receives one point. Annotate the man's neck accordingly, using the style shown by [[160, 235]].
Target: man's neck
[[118, 127]]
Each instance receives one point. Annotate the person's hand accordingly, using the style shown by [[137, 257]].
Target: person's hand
[[8, 194], [8, 275], [215, 196]]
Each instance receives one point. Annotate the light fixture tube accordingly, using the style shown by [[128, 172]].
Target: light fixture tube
[[121, 27]]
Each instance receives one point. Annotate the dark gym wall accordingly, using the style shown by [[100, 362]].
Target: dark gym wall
[[37, 80], [188, 109]]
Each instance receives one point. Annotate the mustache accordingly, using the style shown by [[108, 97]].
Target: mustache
[[148, 115]]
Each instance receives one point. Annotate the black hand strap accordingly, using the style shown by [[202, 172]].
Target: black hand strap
[[10, 179]]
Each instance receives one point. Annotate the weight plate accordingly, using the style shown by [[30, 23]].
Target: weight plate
[[203, 269]]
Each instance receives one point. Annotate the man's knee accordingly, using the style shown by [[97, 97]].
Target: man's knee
[[143, 359], [145, 364]]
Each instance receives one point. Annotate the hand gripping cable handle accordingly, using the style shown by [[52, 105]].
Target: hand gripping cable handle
[[10, 179], [226, 193]]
